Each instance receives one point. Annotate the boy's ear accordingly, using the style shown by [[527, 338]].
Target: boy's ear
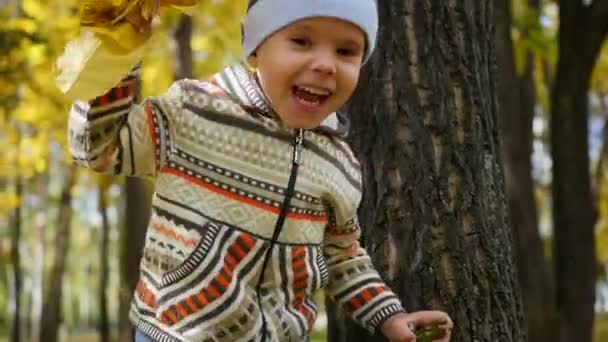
[[253, 60]]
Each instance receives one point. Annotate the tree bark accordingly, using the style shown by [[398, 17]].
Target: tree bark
[[434, 214], [104, 260], [132, 243], [17, 277], [517, 100], [183, 61], [581, 33], [51, 311]]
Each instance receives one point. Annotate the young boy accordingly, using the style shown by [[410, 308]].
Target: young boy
[[256, 192]]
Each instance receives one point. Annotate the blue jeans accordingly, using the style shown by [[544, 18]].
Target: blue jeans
[[141, 337]]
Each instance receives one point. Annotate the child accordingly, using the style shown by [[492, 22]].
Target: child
[[256, 191]]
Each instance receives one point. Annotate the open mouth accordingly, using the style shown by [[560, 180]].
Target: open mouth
[[311, 96]]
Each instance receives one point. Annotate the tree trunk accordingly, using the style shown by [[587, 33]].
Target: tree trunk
[[132, 244], [104, 260], [581, 33], [517, 100], [17, 278], [434, 214], [182, 48], [39, 252], [51, 311]]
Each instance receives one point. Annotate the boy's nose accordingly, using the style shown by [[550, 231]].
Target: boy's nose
[[324, 63]]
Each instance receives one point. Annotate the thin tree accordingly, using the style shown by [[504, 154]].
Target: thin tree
[[39, 252], [517, 100], [434, 214], [104, 261], [15, 256], [183, 65], [132, 239], [582, 30], [51, 317]]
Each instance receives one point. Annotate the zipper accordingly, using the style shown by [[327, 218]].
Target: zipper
[[298, 143], [297, 149]]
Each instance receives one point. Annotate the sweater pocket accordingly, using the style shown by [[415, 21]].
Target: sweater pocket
[[209, 281], [195, 259]]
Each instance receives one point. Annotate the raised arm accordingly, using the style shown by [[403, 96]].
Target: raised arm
[[113, 134]]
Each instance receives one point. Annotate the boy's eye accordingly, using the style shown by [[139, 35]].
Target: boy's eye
[[346, 52], [300, 41]]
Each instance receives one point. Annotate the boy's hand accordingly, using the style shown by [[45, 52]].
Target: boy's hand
[[141, 19], [401, 327]]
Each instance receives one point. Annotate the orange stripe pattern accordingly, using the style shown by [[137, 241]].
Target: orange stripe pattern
[[115, 94], [239, 198], [168, 232], [362, 298], [300, 284], [217, 287], [145, 295]]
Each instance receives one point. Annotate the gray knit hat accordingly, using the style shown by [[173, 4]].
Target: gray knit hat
[[265, 17]]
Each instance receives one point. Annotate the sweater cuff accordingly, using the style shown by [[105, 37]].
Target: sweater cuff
[[381, 316]]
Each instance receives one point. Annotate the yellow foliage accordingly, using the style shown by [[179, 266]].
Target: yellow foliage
[[108, 47], [7, 87], [601, 241], [601, 231], [108, 12], [20, 24], [36, 54], [8, 202], [218, 35], [36, 9], [599, 80], [35, 37]]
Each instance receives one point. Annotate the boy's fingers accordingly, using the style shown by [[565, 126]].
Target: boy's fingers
[[422, 318], [156, 8], [139, 23], [136, 19], [152, 11]]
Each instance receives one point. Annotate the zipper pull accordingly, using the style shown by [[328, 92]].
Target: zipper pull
[[297, 147]]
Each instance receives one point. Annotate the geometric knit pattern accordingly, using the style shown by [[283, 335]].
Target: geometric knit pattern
[[221, 162]]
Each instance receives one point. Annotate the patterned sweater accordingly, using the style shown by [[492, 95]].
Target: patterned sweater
[[221, 162]]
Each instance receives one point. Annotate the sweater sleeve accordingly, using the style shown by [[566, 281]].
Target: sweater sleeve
[[113, 134], [354, 284]]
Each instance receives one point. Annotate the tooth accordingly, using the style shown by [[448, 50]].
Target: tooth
[[315, 91]]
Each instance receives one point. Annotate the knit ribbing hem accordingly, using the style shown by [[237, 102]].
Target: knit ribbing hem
[[152, 331], [381, 316]]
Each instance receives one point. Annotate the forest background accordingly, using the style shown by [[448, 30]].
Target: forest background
[[68, 262]]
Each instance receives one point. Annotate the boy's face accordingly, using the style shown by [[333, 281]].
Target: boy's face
[[310, 68]]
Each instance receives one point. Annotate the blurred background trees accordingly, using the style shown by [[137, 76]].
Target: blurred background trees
[[68, 264]]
